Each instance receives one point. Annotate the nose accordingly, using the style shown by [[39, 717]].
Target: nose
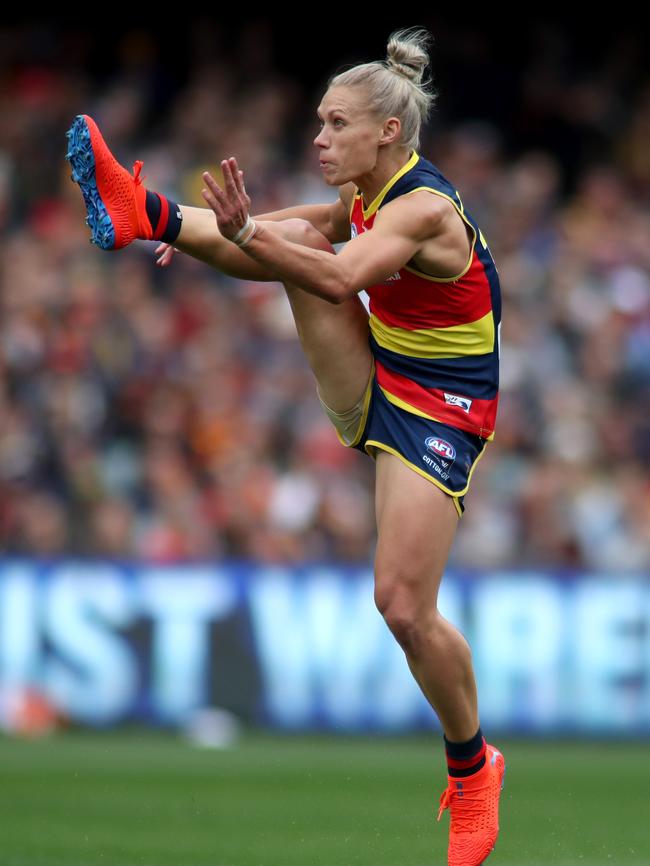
[[319, 141]]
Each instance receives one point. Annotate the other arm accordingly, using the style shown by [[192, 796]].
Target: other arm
[[331, 220]]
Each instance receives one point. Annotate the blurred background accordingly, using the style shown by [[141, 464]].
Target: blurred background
[[168, 414], [184, 541]]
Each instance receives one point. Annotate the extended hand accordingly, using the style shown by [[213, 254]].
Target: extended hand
[[165, 253], [230, 205]]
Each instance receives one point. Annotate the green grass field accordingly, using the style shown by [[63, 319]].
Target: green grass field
[[148, 799]]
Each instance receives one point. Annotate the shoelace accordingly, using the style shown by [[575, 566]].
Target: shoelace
[[468, 804], [137, 168]]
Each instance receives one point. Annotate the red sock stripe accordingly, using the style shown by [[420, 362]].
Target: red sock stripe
[[164, 216], [465, 763]]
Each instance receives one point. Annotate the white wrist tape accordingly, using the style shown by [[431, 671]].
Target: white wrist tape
[[245, 233]]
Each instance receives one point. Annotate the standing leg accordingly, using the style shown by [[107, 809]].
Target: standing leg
[[410, 562]]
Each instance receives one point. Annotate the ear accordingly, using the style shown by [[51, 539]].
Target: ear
[[390, 130]]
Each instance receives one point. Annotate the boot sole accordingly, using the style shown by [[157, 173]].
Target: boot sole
[[82, 159]]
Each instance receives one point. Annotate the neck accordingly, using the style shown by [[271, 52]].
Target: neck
[[372, 182]]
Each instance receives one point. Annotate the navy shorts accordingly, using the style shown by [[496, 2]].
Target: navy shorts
[[443, 454]]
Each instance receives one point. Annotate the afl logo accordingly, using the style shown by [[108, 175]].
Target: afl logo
[[440, 447], [353, 230]]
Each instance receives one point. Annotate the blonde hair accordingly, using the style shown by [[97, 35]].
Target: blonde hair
[[395, 86]]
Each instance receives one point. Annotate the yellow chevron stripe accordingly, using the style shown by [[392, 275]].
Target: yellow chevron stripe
[[397, 401], [469, 338]]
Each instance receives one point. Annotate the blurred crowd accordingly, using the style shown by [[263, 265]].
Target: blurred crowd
[[169, 414]]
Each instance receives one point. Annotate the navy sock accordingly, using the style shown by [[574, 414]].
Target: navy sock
[[463, 759], [165, 217]]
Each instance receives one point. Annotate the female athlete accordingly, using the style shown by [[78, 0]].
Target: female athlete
[[414, 383]]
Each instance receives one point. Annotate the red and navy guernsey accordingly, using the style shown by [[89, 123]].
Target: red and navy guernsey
[[436, 340]]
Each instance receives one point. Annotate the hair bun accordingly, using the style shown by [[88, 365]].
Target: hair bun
[[412, 72], [407, 53]]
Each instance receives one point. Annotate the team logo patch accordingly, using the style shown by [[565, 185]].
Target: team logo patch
[[440, 447], [456, 400], [444, 454]]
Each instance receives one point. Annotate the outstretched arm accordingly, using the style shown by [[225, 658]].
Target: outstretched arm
[[398, 233]]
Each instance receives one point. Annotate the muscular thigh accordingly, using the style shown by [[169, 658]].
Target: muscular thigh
[[334, 337], [416, 526]]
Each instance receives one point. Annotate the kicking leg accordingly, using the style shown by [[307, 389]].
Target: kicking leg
[[119, 209], [334, 337], [200, 237]]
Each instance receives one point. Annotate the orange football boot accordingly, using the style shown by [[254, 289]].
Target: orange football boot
[[115, 200], [473, 803]]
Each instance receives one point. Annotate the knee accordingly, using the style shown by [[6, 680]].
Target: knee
[[405, 616]]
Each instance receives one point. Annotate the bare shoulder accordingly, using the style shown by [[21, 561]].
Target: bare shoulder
[[445, 238]]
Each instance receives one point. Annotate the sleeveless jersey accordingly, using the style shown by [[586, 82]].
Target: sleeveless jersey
[[436, 341]]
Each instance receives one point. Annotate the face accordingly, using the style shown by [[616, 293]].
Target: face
[[349, 135]]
